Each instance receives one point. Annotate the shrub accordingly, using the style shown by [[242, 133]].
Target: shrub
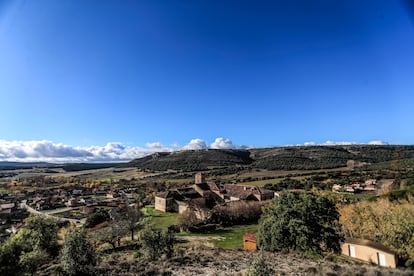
[[259, 267]]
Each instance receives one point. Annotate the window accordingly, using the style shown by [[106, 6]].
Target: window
[[351, 250], [381, 259]]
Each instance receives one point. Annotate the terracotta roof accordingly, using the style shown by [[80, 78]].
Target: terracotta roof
[[249, 237]]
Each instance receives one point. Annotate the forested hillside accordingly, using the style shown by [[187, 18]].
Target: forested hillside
[[277, 158]]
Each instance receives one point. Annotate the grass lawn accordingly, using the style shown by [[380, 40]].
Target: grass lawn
[[160, 220], [230, 237], [226, 237]]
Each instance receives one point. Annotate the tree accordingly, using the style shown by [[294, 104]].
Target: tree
[[96, 218], [44, 234], [113, 233], [30, 247], [187, 219], [78, 256], [132, 217], [259, 267], [300, 221], [155, 243]]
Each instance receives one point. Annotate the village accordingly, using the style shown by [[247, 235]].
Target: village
[[76, 203], [204, 195]]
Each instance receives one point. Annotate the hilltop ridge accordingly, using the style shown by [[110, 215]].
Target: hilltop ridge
[[275, 158]]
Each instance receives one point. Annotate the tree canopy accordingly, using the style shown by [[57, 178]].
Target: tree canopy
[[78, 256], [300, 221]]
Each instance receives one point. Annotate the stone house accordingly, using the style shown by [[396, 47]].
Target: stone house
[[203, 196]]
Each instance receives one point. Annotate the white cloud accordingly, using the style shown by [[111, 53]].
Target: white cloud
[[195, 144], [310, 144], [43, 150], [377, 143], [155, 145], [222, 143], [33, 151], [343, 143]]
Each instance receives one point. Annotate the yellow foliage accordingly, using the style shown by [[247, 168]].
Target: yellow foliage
[[391, 223]]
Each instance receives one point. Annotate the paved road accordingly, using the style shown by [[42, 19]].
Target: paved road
[[48, 215]]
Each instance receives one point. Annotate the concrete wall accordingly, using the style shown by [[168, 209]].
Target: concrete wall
[[369, 254], [161, 204]]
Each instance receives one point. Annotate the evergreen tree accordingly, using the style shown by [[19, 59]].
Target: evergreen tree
[[78, 255], [300, 221]]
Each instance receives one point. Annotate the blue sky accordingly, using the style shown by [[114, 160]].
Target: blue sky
[[128, 78]]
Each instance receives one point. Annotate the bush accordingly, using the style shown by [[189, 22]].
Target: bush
[[259, 267]]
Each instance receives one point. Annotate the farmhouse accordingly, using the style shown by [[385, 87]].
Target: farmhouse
[[369, 251], [203, 195]]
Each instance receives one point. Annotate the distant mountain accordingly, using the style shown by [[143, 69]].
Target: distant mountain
[[277, 158], [5, 165]]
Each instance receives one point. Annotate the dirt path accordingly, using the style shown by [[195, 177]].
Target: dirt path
[[200, 240]]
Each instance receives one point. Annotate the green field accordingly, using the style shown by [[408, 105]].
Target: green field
[[160, 220], [226, 237]]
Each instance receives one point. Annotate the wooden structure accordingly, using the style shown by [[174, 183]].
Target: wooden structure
[[369, 251], [249, 242]]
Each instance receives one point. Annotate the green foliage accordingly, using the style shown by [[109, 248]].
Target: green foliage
[[9, 258], [96, 218], [78, 256], [259, 267], [44, 233], [155, 243], [191, 160], [300, 221], [29, 248], [160, 220], [30, 261]]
